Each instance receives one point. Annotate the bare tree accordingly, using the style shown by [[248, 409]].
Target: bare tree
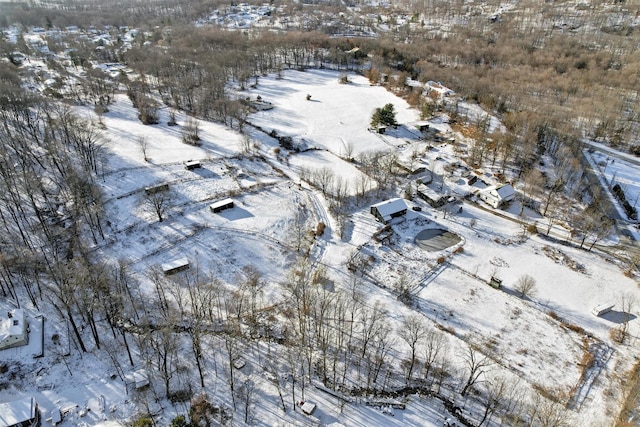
[[299, 229], [191, 132], [476, 364], [495, 393], [143, 143], [526, 286], [532, 184], [323, 178], [231, 337], [547, 413], [435, 344], [248, 146], [627, 304], [349, 146], [412, 331], [163, 343], [158, 202], [246, 396]]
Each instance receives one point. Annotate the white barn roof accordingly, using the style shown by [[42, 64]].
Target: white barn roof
[[390, 207]]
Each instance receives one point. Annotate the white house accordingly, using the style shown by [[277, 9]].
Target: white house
[[385, 211], [497, 195], [14, 329], [21, 413]]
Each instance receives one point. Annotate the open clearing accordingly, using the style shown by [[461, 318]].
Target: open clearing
[[275, 214]]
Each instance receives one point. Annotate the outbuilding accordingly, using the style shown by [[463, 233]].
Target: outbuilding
[[431, 196], [192, 164], [221, 205], [389, 209], [601, 309], [14, 329], [20, 413], [156, 188], [307, 407], [136, 380], [498, 195], [175, 266]]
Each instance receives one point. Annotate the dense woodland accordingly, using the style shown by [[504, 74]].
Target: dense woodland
[[550, 84]]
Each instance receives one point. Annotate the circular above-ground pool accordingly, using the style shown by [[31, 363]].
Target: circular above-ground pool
[[436, 239]]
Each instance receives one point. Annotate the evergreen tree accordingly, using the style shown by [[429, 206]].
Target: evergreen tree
[[385, 116]]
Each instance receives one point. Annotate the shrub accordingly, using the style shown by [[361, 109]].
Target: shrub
[[320, 228], [616, 335], [459, 250], [143, 421], [575, 328], [554, 316]]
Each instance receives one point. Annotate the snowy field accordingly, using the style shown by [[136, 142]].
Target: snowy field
[[449, 287]]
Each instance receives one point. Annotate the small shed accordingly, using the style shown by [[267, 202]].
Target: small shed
[[389, 209], [137, 379], [601, 309], [307, 407], [422, 126], [23, 412], [494, 282], [156, 188], [221, 205], [192, 164], [14, 329], [175, 266]]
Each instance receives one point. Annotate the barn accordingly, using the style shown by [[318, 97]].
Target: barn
[[389, 209]]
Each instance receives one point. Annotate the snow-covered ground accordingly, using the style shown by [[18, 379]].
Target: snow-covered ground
[[448, 287]]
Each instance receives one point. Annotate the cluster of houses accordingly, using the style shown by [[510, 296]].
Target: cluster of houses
[[495, 196]]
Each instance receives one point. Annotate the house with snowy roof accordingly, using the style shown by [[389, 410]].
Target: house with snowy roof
[[498, 195], [20, 413], [389, 209], [13, 329]]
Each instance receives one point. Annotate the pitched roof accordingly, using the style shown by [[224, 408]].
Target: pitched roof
[[18, 411], [505, 191], [389, 207], [13, 324]]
